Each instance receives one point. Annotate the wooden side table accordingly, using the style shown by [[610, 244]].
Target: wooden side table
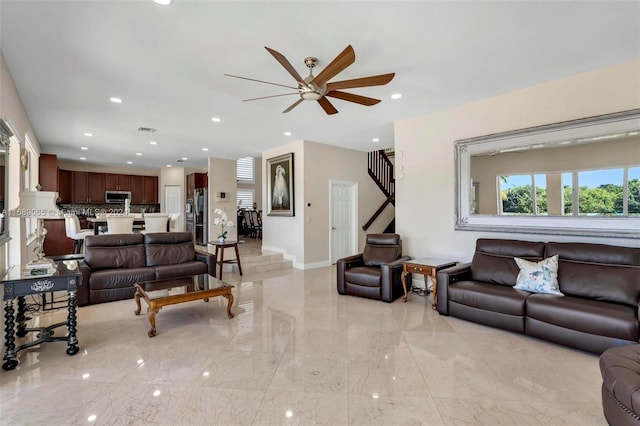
[[427, 266], [220, 249]]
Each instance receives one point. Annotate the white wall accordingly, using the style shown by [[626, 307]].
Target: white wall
[[424, 146]]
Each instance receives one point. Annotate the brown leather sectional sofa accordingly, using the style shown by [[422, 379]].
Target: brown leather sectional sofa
[[620, 369], [114, 263], [600, 283]]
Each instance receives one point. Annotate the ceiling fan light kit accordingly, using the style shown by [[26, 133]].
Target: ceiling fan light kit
[[318, 88]]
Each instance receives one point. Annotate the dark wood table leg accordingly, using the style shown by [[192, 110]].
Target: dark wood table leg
[[238, 258], [72, 345], [10, 357], [221, 262], [136, 296], [20, 318], [229, 298], [404, 285]]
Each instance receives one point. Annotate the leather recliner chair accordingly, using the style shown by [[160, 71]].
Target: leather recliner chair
[[376, 272]]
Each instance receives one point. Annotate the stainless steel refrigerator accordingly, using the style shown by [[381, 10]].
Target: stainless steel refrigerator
[[197, 217]]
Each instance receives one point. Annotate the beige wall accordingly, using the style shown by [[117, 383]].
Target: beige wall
[[222, 178], [305, 237], [322, 164], [13, 112], [424, 146]]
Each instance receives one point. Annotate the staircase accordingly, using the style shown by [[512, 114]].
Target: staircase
[[262, 263], [381, 171]]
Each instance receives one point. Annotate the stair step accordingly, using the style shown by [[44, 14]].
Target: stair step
[[263, 258], [265, 266]]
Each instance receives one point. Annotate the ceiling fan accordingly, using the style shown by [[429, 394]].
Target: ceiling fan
[[318, 88]]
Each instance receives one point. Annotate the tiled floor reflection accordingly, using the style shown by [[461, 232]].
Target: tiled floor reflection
[[297, 353]]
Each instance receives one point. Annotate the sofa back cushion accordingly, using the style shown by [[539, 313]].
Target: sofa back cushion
[[114, 251], [381, 249], [598, 271], [169, 248], [493, 260]]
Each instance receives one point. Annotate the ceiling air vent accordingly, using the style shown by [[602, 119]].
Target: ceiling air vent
[[146, 129]]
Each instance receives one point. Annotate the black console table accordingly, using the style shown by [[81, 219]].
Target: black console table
[[18, 285]]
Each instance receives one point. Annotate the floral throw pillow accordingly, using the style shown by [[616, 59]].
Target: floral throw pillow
[[538, 277]]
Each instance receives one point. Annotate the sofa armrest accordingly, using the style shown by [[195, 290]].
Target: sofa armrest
[[347, 263], [209, 259], [391, 279], [82, 293], [447, 276]]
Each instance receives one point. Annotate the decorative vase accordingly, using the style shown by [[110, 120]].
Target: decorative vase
[[222, 239]]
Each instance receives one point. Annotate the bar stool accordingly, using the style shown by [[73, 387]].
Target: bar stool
[[73, 231]]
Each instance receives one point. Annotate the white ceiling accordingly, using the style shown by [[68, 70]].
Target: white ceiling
[[167, 63]]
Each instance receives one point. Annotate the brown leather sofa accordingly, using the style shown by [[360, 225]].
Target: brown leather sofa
[[376, 272], [600, 283], [620, 368], [114, 263]]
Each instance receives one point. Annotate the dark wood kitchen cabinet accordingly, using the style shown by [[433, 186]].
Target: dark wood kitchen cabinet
[[116, 182], [144, 189], [65, 186], [48, 172], [88, 187]]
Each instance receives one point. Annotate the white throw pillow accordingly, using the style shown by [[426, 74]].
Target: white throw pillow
[[538, 277]]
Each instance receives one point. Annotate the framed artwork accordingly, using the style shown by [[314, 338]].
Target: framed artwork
[[280, 185]]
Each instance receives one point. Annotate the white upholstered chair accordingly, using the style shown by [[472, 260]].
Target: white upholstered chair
[[73, 231], [155, 222], [174, 221], [119, 224]]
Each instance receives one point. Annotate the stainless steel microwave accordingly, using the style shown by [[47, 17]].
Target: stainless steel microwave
[[117, 196]]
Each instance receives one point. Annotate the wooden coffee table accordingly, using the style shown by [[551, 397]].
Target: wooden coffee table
[[178, 290]]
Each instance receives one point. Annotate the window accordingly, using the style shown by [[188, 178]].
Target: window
[[244, 171], [245, 198], [601, 192]]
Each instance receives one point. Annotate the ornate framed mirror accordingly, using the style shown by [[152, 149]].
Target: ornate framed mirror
[[579, 177]]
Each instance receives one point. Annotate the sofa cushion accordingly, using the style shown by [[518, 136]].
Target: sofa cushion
[[120, 278], [489, 297], [588, 316], [381, 248], [169, 248], [493, 260], [114, 251], [620, 369], [363, 275], [538, 277], [598, 271], [184, 269]]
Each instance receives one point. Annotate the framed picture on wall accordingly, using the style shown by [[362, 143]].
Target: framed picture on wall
[[280, 185]]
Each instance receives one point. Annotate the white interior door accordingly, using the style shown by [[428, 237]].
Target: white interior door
[[343, 221], [173, 204]]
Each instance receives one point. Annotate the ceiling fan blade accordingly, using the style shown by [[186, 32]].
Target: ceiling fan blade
[[327, 106], [286, 64], [362, 100], [295, 104], [342, 61], [267, 97], [261, 81], [374, 80]]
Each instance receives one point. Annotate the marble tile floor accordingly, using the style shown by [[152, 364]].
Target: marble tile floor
[[297, 353]]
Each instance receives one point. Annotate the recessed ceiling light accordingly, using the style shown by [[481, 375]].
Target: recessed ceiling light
[[84, 148], [138, 154], [129, 162], [83, 158], [153, 143], [216, 119], [169, 165], [116, 100], [184, 158], [396, 96], [375, 140], [88, 134], [287, 133], [163, 2], [205, 149]]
